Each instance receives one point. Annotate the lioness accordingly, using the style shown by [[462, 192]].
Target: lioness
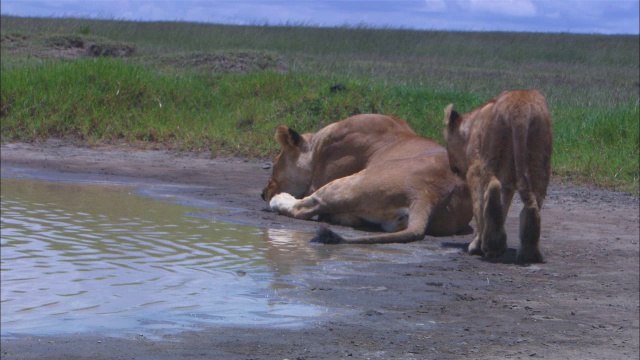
[[364, 170], [499, 147]]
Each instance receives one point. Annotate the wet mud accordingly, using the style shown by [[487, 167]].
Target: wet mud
[[423, 300]]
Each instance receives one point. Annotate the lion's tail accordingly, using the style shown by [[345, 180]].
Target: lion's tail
[[415, 231], [520, 134], [328, 236]]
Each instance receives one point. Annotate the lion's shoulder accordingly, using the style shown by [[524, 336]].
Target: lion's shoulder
[[366, 124], [359, 136]]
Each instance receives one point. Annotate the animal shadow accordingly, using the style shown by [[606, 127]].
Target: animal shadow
[[509, 257], [453, 245]]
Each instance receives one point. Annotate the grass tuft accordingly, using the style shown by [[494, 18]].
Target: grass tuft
[[224, 89]]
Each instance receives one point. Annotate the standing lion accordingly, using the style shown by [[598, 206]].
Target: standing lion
[[499, 147]]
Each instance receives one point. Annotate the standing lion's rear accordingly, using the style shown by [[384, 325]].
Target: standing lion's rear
[[501, 147], [524, 116]]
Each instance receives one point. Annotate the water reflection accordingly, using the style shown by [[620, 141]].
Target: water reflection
[[78, 257]]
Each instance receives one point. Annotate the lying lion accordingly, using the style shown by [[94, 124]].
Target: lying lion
[[368, 170], [499, 147]]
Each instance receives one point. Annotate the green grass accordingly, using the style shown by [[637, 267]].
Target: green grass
[[224, 89]]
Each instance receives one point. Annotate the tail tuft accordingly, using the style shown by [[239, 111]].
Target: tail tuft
[[327, 236]]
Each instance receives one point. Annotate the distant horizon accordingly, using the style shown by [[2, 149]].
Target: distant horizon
[[605, 17], [312, 26]]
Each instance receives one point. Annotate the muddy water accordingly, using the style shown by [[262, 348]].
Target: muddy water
[[86, 257]]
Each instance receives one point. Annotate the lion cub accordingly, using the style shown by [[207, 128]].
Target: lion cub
[[499, 147]]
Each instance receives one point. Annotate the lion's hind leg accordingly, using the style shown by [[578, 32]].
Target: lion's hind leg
[[530, 221], [529, 251], [476, 188], [493, 238]]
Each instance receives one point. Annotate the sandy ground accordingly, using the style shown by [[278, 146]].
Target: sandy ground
[[583, 303]]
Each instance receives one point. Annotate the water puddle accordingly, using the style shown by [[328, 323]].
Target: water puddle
[[83, 257], [115, 259]]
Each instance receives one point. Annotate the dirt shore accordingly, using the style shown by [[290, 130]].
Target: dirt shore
[[583, 303]]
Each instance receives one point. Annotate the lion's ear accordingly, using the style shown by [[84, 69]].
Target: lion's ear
[[451, 117], [288, 138]]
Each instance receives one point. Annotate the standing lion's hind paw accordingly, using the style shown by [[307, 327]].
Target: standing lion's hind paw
[[531, 257]]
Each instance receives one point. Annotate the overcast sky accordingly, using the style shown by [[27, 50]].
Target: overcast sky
[[575, 16]]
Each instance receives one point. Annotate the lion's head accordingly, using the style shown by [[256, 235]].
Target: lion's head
[[291, 168], [455, 141]]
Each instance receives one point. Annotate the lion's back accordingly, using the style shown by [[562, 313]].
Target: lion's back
[[348, 146], [514, 130]]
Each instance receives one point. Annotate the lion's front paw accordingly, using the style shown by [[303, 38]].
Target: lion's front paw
[[474, 247], [282, 203]]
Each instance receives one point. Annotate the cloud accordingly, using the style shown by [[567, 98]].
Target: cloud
[[435, 5], [519, 8], [576, 16]]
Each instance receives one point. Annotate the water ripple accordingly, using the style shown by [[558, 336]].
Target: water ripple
[[72, 252]]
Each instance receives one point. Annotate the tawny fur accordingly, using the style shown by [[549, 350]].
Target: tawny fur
[[501, 147], [368, 170]]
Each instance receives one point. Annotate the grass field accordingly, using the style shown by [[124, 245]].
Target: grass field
[[224, 89]]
